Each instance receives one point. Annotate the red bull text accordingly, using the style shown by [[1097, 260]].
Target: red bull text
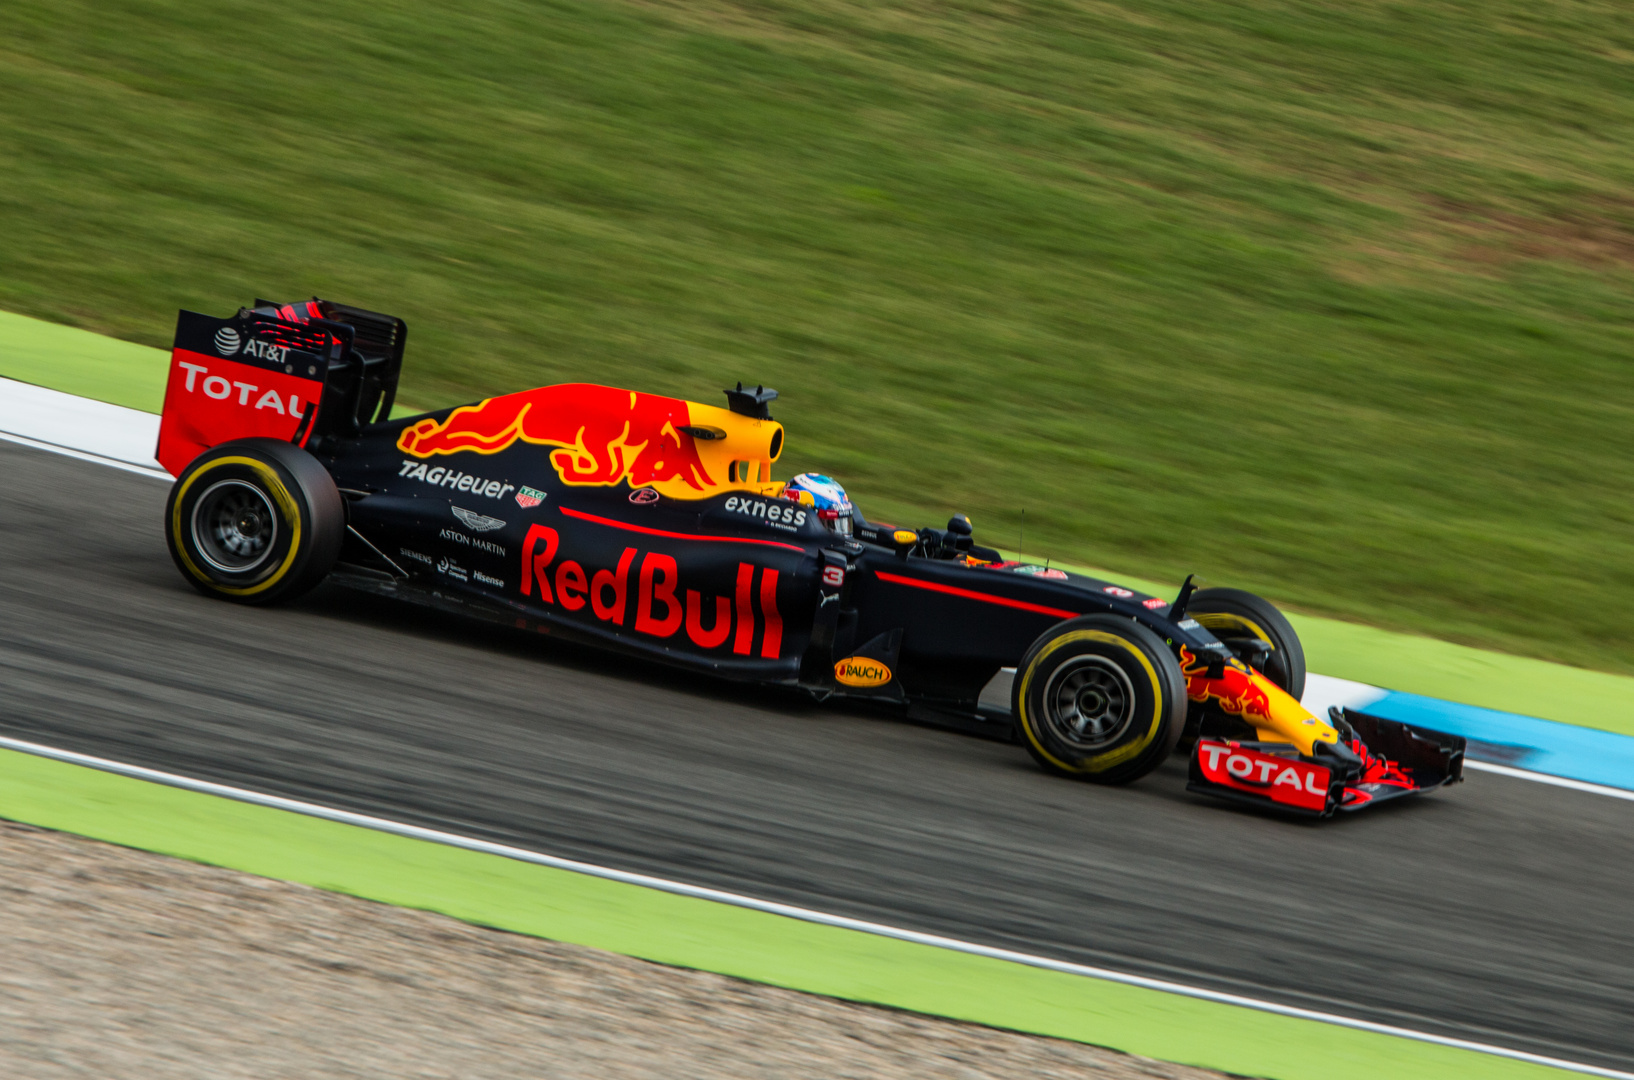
[[662, 608]]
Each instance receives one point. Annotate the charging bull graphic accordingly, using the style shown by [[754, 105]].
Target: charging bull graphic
[[1241, 691], [606, 436], [1235, 689]]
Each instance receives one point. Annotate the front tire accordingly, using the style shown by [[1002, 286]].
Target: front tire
[[1234, 614], [255, 521], [1099, 697]]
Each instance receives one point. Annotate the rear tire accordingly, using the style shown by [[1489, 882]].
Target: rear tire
[[1099, 697], [255, 521]]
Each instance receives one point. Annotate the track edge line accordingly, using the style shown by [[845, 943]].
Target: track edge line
[[86, 455], [386, 825], [1550, 779]]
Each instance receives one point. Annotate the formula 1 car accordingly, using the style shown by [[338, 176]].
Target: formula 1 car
[[653, 526]]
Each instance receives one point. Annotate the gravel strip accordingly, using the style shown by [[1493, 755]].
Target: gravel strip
[[121, 963]]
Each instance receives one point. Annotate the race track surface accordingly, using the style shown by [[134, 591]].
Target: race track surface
[[1498, 911]]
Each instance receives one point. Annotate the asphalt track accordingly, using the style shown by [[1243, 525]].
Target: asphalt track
[[1498, 911]]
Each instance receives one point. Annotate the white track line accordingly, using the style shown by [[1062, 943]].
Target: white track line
[[78, 423], [23, 440], [1555, 781], [789, 911]]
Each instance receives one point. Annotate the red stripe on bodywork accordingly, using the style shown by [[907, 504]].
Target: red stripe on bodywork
[[625, 525], [971, 594]]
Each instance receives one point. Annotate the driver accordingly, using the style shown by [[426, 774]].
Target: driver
[[825, 495]]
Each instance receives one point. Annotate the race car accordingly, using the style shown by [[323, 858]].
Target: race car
[[653, 526]]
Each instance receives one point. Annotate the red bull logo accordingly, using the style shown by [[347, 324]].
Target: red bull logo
[[606, 436], [1241, 691], [1235, 689]]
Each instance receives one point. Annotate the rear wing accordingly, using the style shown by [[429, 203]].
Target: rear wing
[[292, 372]]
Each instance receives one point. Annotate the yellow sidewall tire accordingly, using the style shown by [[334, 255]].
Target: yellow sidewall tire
[[1154, 715], [1236, 613], [310, 520], [180, 524]]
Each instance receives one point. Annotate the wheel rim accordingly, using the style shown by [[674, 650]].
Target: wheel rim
[[234, 526], [1088, 703]]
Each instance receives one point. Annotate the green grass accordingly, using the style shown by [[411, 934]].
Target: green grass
[[1326, 301], [83, 363], [529, 899]]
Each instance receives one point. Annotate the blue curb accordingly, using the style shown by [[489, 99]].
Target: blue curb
[[1522, 742]]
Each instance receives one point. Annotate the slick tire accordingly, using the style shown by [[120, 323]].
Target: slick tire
[[255, 521], [1233, 613], [1099, 697]]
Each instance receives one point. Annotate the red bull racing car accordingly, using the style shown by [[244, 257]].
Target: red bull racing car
[[654, 526]]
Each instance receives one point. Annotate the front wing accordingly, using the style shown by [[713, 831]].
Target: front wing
[[1387, 760]]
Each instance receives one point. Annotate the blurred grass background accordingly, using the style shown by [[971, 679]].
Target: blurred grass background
[[1331, 302]]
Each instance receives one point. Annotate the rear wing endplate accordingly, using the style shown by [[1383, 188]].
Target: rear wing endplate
[[295, 373]]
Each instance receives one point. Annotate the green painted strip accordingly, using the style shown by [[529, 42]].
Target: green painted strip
[[83, 363], [493, 891], [80, 362]]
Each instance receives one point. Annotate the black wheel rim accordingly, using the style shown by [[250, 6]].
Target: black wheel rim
[[234, 526], [1088, 703]]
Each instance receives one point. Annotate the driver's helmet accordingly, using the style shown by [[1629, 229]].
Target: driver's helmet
[[827, 496]]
